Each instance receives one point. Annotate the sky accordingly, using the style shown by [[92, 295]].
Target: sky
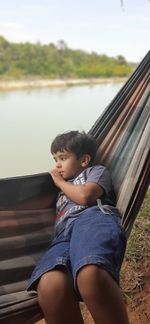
[[101, 26]]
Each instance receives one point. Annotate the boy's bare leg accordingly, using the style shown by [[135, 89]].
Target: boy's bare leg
[[101, 295], [56, 298]]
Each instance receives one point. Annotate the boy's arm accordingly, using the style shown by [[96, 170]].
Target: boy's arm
[[81, 194]]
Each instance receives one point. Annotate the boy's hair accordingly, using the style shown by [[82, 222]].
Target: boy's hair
[[76, 142]]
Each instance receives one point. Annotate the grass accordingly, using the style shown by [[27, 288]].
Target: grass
[[134, 272], [139, 243]]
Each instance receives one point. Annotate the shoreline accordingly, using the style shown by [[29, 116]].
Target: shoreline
[[14, 84]]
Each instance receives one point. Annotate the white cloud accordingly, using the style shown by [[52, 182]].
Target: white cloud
[[14, 32], [22, 10], [31, 10], [138, 18]]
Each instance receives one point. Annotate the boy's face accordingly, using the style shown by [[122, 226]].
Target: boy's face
[[68, 165]]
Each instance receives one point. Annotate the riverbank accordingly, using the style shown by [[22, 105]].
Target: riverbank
[[13, 84]]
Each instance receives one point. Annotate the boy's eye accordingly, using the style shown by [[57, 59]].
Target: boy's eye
[[60, 158], [63, 158]]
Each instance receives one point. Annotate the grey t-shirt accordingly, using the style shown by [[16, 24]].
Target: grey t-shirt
[[67, 210]]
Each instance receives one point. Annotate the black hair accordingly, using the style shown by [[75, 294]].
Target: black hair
[[77, 142]]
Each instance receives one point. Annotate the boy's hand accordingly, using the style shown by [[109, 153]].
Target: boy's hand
[[58, 179], [81, 194]]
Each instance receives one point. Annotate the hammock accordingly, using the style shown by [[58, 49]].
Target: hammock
[[27, 204]]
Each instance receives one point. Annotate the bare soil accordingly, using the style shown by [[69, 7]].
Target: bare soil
[[13, 84], [136, 287]]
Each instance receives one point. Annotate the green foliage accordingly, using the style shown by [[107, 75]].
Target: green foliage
[[57, 61]]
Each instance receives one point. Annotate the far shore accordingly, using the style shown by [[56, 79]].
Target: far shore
[[13, 84]]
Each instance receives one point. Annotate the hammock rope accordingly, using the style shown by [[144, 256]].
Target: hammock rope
[[27, 203]]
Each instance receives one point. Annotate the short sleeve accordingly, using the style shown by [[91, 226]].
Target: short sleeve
[[101, 176]]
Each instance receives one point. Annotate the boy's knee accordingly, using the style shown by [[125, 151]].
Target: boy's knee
[[52, 284], [91, 280]]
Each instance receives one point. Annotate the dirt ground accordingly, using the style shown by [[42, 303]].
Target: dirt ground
[[136, 286], [135, 283]]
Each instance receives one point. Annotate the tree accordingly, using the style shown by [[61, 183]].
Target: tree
[[57, 61], [61, 45]]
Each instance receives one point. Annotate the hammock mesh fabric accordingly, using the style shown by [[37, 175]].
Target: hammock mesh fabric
[[27, 203]]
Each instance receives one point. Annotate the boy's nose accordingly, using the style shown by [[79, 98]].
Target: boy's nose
[[58, 164]]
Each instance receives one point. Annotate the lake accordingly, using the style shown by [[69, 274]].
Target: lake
[[30, 119]]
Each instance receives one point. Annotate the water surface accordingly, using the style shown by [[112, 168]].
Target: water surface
[[29, 120]]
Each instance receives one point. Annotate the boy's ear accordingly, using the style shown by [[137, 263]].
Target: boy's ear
[[85, 160]]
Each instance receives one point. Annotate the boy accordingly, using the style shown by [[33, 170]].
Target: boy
[[84, 259]]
